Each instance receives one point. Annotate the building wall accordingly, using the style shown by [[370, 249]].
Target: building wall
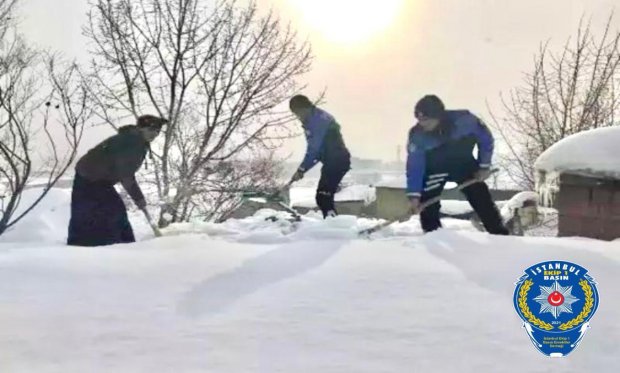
[[589, 207], [392, 203], [357, 208], [249, 208]]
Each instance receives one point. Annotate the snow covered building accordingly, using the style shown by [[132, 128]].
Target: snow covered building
[[392, 203], [354, 199], [580, 177]]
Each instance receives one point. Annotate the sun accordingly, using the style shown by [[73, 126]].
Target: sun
[[348, 21]]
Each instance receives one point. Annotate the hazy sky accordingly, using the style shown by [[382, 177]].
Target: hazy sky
[[376, 58]]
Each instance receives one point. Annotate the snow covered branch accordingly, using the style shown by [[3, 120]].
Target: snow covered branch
[[567, 92], [44, 105], [219, 70]]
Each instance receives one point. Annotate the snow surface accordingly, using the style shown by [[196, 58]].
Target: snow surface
[[509, 207], [39, 180], [455, 207], [258, 296], [47, 222], [593, 152]]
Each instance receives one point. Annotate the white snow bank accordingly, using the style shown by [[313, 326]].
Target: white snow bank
[[509, 207], [263, 229], [435, 303], [47, 222], [302, 196], [593, 152], [42, 181], [455, 207]]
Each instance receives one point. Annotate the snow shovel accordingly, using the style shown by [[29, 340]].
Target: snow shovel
[[424, 205], [156, 230]]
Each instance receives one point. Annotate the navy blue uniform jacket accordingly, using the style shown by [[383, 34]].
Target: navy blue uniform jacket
[[462, 127]]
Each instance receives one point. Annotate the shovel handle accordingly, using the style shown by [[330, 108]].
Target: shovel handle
[[423, 206], [461, 186], [156, 230]]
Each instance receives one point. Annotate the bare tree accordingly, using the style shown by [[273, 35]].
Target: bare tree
[[7, 8], [218, 70], [568, 92], [43, 108], [255, 172]]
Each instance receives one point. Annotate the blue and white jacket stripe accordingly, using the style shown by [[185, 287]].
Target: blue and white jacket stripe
[[465, 124]]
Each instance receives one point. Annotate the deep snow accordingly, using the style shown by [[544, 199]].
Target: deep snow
[[257, 296], [589, 152]]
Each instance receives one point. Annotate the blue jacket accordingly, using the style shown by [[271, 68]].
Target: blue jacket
[[462, 124], [324, 140]]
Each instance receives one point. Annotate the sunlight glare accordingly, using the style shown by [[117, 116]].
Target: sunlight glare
[[348, 21]]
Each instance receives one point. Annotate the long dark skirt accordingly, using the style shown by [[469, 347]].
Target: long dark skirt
[[98, 215]]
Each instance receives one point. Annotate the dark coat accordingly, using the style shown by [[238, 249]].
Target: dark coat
[[325, 143], [449, 149], [115, 160]]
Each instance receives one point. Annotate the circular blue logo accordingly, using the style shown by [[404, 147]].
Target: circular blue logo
[[556, 301]]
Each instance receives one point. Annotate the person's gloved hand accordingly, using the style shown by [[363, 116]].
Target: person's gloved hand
[[482, 174], [297, 176], [141, 204], [414, 205]]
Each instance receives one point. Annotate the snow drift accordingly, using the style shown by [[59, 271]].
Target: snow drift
[[595, 152], [255, 295]]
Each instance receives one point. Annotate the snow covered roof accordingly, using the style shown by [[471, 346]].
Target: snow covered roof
[[400, 182], [304, 197], [593, 153]]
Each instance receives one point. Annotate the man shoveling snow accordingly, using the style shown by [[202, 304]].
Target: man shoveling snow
[[325, 145], [440, 149], [98, 214]]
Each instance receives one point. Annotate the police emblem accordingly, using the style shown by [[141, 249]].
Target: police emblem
[[556, 301]]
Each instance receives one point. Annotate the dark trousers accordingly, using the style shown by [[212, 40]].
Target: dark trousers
[[98, 215], [331, 175], [477, 194]]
